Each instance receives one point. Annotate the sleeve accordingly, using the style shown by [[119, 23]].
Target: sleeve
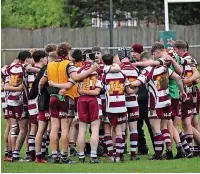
[[99, 84], [45, 74], [70, 69], [7, 79], [161, 61], [106, 69], [144, 76], [170, 72], [126, 83], [72, 81]]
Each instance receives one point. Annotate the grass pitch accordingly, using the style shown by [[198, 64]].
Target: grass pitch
[[143, 165]]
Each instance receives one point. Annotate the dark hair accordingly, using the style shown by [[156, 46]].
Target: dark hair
[[180, 44], [157, 46], [63, 49], [187, 45], [23, 55], [88, 54], [39, 54], [107, 59], [96, 48], [145, 55], [50, 48], [77, 55]]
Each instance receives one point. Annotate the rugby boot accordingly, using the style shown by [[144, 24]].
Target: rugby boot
[[169, 154], [154, 157], [94, 160], [134, 158], [67, 161], [81, 160]]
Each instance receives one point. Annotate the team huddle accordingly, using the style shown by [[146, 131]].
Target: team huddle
[[51, 97]]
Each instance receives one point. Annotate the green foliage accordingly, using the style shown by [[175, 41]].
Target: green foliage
[[33, 14], [78, 13]]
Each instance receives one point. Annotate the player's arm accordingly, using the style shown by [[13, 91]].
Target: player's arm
[[31, 69], [194, 76], [177, 67], [9, 87], [80, 76], [95, 91], [113, 68], [178, 79], [132, 90], [42, 82], [147, 63], [135, 84], [67, 85]]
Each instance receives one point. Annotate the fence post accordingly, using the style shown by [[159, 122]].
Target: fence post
[[4, 58]]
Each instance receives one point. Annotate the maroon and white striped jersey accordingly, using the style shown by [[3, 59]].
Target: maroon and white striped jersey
[[114, 86], [157, 79], [16, 77], [3, 92], [90, 83], [132, 74], [187, 72]]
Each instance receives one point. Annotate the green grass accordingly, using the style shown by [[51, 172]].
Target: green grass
[[143, 165]]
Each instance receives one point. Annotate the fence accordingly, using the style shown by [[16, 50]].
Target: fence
[[13, 39]]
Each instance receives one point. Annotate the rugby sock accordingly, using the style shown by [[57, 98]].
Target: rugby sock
[[31, 144], [6, 152], [15, 154], [166, 138], [27, 154], [54, 154], [109, 143], [39, 155], [64, 155], [133, 142], [189, 138], [10, 153], [158, 141], [123, 141], [93, 154], [72, 144], [81, 155], [47, 142], [118, 145], [43, 149], [184, 143], [101, 134]]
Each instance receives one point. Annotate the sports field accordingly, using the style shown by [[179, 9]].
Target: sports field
[[143, 165]]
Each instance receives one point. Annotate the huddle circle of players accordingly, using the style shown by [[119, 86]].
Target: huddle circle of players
[[51, 97]]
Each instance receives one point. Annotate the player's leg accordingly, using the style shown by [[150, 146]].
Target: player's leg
[[55, 127], [195, 123], [118, 142], [23, 128], [132, 122], [108, 141], [81, 141], [94, 140], [73, 134], [7, 146], [158, 139], [42, 126], [65, 126], [166, 138], [31, 139]]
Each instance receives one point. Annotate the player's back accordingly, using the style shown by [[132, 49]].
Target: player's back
[[114, 86]]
